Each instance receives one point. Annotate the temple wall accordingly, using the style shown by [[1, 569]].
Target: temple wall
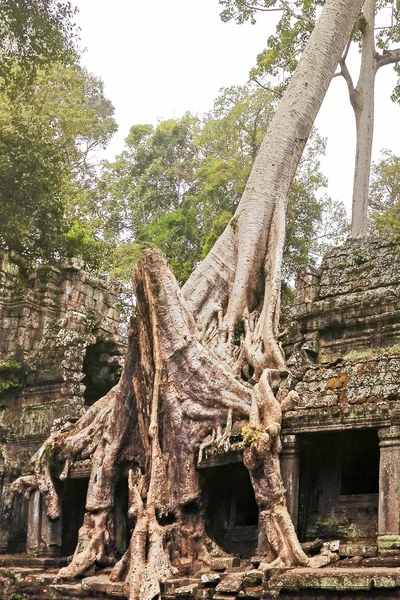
[[60, 345], [341, 341], [350, 303]]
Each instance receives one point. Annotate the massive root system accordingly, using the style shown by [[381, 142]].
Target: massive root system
[[175, 390]]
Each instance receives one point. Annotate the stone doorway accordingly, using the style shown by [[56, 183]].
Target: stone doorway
[[231, 509], [339, 485], [73, 510]]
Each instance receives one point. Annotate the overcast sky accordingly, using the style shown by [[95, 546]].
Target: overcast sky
[[160, 58]]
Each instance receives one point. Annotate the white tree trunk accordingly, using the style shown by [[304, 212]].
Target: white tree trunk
[[227, 278], [363, 105]]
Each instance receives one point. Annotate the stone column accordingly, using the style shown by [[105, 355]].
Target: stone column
[[34, 523], [6, 499], [389, 490], [44, 536], [290, 470], [51, 534]]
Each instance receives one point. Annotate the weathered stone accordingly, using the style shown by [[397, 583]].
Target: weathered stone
[[253, 592], [353, 301], [358, 549], [312, 547], [210, 578], [232, 583], [186, 591], [203, 593], [252, 579], [47, 329], [170, 585], [220, 563]]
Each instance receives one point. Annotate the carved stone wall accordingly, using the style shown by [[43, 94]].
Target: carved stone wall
[[350, 303], [341, 341], [60, 346]]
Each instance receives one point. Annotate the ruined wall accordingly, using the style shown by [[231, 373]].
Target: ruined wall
[[342, 347], [350, 303], [60, 349]]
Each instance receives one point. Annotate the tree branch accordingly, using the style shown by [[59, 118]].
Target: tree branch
[[285, 7], [346, 74], [387, 58], [256, 7], [269, 89], [296, 15]]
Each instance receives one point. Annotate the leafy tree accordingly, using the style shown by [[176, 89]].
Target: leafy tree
[[47, 135], [385, 195], [34, 34], [178, 185], [377, 48]]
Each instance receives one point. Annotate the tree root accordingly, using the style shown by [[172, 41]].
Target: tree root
[[94, 545], [262, 460], [173, 393]]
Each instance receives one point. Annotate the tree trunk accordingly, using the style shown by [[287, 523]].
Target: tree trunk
[[363, 105], [197, 359], [227, 279]]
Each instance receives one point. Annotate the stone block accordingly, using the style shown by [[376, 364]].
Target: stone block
[[210, 578], [220, 563], [203, 594], [169, 586], [252, 592], [252, 579], [388, 545], [231, 584], [358, 549], [187, 591]]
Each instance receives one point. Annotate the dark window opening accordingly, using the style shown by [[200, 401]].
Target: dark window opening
[[102, 369], [339, 484], [17, 524], [231, 509], [73, 497], [359, 462]]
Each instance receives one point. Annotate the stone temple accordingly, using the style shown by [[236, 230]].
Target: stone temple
[[61, 349]]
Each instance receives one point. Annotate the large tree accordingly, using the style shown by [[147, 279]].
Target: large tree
[[377, 46], [33, 35], [177, 185], [48, 134], [184, 375], [385, 196]]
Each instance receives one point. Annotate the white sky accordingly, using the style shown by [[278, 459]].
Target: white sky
[[160, 58]]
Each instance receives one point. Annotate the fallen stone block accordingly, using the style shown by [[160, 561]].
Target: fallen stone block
[[220, 563], [367, 550], [231, 583], [252, 579], [210, 578], [186, 591]]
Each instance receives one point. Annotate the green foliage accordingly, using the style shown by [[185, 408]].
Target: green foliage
[[11, 371], [385, 196], [278, 61], [7, 385], [10, 365], [34, 34], [92, 320], [177, 186], [250, 434], [47, 135]]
